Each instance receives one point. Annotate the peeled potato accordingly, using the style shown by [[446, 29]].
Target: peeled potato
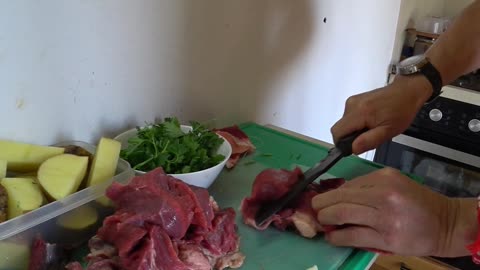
[[3, 169], [104, 162], [24, 195], [24, 157], [14, 255], [79, 218], [61, 175]]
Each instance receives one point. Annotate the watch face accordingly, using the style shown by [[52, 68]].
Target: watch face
[[410, 65], [411, 61]]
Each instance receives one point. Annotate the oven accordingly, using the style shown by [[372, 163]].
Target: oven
[[442, 146]]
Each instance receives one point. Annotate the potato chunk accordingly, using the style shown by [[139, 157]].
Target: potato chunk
[[104, 162], [24, 157], [24, 195], [79, 218], [61, 175], [3, 169], [14, 255]]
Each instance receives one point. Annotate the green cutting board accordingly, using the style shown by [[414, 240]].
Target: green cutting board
[[272, 249]]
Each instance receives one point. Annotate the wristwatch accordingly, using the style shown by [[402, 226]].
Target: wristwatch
[[420, 64]]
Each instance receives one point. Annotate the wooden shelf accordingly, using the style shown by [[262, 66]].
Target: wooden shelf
[[422, 34]]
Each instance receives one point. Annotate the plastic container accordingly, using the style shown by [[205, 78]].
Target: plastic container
[[433, 25], [203, 178], [54, 222]]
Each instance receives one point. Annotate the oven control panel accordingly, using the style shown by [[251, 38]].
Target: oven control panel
[[451, 117]]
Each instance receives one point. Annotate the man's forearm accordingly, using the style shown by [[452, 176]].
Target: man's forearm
[[457, 51]]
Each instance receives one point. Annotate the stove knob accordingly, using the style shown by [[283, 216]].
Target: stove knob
[[435, 115], [474, 125]]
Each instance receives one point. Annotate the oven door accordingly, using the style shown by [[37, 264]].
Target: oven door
[[445, 170]]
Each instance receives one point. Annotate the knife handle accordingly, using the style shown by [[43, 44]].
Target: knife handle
[[345, 143]]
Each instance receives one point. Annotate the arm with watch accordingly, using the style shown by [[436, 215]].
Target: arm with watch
[[386, 210]]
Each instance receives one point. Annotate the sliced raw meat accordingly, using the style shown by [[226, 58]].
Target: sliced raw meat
[[103, 256], [46, 256], [204, 211], [269, 185], [162, 223], [163, 200], [74, 266], [272, 184], [241, 144], [106, 264], [122, 224], [222, 239], [100, 249], [156, 252]]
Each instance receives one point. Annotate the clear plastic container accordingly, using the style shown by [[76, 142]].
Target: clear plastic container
[[433, 25], [59, 222]]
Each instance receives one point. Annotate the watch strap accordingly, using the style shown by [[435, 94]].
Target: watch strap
[[434, 77]]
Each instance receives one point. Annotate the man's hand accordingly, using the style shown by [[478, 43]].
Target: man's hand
[[386, 112], [388, 211]]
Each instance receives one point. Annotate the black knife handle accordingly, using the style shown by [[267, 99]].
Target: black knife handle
[[345, 143]]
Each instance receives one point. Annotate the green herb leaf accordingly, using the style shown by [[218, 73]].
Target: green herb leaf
[[251, 162], [166, 145]]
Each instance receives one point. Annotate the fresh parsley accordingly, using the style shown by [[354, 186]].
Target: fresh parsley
[[166, 145]]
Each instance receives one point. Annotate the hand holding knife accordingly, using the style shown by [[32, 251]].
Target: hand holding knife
[[343, 148]]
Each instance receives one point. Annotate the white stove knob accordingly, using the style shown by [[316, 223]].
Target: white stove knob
[[435, 115], [474, 125]]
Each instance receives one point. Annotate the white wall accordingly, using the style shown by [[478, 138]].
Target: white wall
[[77, 70], [86, 68]]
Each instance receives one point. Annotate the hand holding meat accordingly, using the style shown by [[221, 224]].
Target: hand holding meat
[[386, 112], [387, 211]]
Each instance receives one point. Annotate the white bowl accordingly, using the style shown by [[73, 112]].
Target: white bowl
[[203, 178]]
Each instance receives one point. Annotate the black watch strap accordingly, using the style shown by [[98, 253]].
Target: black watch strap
[[434, 77]]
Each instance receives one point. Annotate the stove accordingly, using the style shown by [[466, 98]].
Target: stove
[[470, 81], [442, 145]]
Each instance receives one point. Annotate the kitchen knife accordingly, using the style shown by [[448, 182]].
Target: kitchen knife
[[343, 148]]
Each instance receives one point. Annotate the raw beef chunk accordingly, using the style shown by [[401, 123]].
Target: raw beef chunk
[[272, 184], [162, 223], [241, 144], [45, 256]]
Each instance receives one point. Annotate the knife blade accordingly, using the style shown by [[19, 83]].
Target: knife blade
[[342, 148]]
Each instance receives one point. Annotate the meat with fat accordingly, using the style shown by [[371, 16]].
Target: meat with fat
[[272, 184], [240, 142], [45, 256], [74, 266]]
